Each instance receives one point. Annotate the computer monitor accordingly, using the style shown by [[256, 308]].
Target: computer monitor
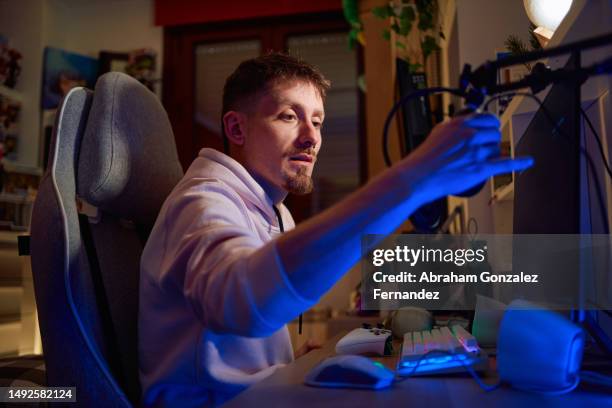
[[547, 196], [554, 196]]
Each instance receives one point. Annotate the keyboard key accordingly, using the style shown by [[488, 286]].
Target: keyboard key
[[408, 347], [427, 341], [468, 341], [417, 339], [461, 344], [454, 346]]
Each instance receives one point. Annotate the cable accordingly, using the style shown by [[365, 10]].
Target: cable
[[600, 199], [596, 135], [513, 94], [403, 101], [467, 367]]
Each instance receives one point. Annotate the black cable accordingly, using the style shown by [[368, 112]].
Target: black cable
[[600, 199], [403, 101], [596, 135], [513, 94]]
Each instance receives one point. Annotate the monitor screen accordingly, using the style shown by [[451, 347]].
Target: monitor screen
[[547, 195]]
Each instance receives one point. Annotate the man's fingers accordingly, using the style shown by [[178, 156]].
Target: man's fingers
[[489, 151], [486, 136], [482, 120], [501, 166]]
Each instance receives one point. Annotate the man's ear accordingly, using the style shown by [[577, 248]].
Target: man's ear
[[234, 124]]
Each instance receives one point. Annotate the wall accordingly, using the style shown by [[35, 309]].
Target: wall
[[484, 25], [22, 23], [85, 27]]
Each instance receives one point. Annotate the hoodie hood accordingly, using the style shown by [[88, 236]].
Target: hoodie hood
[[212, 164]]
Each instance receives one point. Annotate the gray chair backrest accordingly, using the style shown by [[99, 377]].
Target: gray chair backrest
[[114, 150]]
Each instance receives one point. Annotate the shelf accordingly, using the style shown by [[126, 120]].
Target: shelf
[[503, 193], [15, 198], [11, 93], [12, 167]]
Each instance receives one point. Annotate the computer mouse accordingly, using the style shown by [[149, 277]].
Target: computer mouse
[[410, 319], [350, 371]]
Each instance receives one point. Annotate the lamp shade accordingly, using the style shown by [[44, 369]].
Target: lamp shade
[[547, 13]]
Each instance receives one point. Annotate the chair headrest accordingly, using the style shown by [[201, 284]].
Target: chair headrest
[[128, 162]]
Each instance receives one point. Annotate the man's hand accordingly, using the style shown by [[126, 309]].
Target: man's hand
[[456, 156], [306, 347]]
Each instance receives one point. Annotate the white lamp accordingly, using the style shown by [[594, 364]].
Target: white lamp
[[546, 15]]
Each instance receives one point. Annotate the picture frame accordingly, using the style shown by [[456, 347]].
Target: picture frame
[[112, 61]]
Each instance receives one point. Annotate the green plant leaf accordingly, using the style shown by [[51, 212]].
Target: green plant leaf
[[351, 11], [380, 12], [383, 11], [415, 67], [407, 13], [395, 27], [353, 34], [405, 26], [425, 21], [386, 34], [400, 44], [428, 46], [515, 45]]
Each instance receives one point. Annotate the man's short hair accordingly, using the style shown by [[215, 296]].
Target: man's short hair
[[258, 74]]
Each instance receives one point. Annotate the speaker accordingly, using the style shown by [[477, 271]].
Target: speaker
[[539, 349]]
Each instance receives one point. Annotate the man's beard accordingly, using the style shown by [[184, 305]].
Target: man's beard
[[300, 183]]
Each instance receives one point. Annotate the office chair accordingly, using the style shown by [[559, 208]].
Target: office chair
[[112, 162]]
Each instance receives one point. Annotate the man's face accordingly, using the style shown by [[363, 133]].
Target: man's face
[[283, 135]]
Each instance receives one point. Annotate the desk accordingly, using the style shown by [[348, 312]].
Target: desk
[[285, 388]]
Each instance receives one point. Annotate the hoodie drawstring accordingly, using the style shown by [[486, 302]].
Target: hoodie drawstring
[[282, 229]]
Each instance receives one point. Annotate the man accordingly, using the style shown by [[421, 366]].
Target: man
[[219, 282]]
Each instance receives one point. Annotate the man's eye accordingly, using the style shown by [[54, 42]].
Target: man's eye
[[288, 117], [318, 125]]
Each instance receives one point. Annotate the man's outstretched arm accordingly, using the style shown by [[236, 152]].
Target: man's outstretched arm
[[239, 288]]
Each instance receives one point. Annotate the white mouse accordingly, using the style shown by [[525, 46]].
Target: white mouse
[[350, 372]]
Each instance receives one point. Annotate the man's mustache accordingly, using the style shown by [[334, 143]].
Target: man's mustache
[[311, 152]]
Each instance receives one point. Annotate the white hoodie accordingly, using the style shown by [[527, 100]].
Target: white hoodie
[[214, 297]]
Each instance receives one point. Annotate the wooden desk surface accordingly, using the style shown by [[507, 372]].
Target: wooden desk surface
[[285, 388]]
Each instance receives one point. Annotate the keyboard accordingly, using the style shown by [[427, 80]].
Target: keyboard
[[458, 348]]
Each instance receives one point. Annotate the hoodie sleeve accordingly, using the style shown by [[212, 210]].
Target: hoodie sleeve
[[234, 282]]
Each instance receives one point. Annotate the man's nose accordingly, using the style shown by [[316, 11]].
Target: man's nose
[[309, 136]]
